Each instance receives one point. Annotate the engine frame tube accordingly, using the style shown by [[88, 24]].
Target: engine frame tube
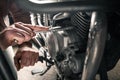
[[96, 43]]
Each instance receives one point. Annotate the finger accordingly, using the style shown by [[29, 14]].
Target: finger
[[17, 35], [11, 35], [37, 56], [34, 58], [27, 29], [36, 27], [32, 61], [26, 59], [17, 38], [29, 62], [17, 60], [27, 36], [22, 63], [17, 64]]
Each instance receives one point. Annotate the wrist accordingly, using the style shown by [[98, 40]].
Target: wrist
[[3, 47], [3, 43]]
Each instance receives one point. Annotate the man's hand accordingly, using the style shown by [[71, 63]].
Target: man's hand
[[18, 33], [25, 57]]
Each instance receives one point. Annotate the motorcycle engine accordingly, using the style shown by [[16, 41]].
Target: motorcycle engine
[[67, 46]]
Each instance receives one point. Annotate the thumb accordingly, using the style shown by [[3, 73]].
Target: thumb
[[17, 64], [17, 58]]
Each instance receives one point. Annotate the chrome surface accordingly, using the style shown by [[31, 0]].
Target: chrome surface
[[49, 1], [60, 16], [95, 47]]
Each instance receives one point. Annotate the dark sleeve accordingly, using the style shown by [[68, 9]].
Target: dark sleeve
[[7, 71]]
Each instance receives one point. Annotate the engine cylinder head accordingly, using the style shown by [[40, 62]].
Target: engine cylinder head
[[81, 21]]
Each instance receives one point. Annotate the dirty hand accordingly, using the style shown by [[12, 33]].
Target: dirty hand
[[25, 57], [18, 33]]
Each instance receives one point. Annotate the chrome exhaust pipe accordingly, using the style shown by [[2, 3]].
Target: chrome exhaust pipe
[[96, 43]]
